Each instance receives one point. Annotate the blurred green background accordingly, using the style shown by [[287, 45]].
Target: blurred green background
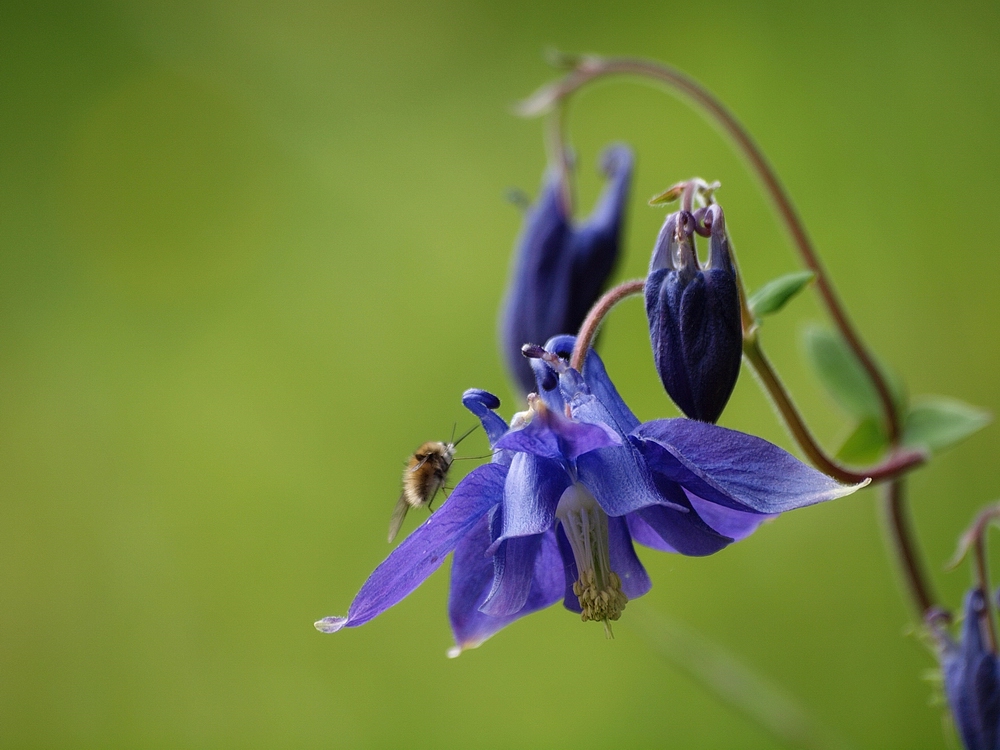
[[252, 253]]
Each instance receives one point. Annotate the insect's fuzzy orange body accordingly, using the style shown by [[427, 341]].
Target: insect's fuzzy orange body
[[425, 474]]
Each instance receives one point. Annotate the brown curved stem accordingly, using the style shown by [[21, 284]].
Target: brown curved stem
[[898, 463], [559, 157], [975, 538], [904, 545], [588, 330], [983, 576]]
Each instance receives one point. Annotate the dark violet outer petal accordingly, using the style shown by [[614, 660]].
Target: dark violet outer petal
[[537, 296], [662, 258], [472, 580], [624, 561], [719, 255], [513, 569], [643, 533], [986, 681], [596, 378], [560, 269], [733, 469], [669, 530], [662, 298], [695, 332], [482, 404], [530, 496], [551, 435], [570, 572], [594, 244], [972, 682], [423, 551], [737, 524]]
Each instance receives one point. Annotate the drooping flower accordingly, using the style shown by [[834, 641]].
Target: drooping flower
[[972, 676], [560, 268], [574, 481], [694, 314]]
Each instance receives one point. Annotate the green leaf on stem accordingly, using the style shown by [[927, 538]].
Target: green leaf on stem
[[776, 293], [938, 422], [865, 445], [845, 378]]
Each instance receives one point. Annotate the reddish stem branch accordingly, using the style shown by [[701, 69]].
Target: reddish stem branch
[[904, 544], [597, 314], [898, 463], [975, 538]]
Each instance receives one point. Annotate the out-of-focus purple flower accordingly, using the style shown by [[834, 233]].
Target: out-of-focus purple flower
[[972, 676], [560, 269], [694, 314], [574, 480]]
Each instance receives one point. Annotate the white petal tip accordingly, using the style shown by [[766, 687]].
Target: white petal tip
[[330, 624], [457, 650]]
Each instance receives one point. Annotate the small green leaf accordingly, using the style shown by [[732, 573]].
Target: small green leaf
[[844, 377], [865, 445], [773, 296], [938, 422]]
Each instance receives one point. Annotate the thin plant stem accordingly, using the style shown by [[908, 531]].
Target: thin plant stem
[[732, 682], [905, 547], [975, 538], [588, 330], [898, 463], [559, 157], [983, 578]]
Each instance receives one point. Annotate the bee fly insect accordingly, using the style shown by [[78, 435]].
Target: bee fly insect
[[425, 474]]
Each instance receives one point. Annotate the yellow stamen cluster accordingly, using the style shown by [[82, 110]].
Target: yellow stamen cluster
[[604, 603], [598, 588]]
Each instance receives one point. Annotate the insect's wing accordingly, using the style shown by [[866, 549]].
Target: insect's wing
[[398, 515]]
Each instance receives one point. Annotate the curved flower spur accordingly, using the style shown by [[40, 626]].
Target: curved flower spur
[[574, 481]]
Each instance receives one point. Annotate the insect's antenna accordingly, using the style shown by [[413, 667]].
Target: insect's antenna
[[465, 435], [452, 438], [474, 458]]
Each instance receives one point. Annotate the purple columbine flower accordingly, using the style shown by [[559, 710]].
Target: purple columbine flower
[[694, 314], [560, 269], [972, 676], [574, 481]]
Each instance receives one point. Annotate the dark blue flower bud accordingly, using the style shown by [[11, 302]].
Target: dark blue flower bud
[[972, 677], [560, 269], [694, 314]]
